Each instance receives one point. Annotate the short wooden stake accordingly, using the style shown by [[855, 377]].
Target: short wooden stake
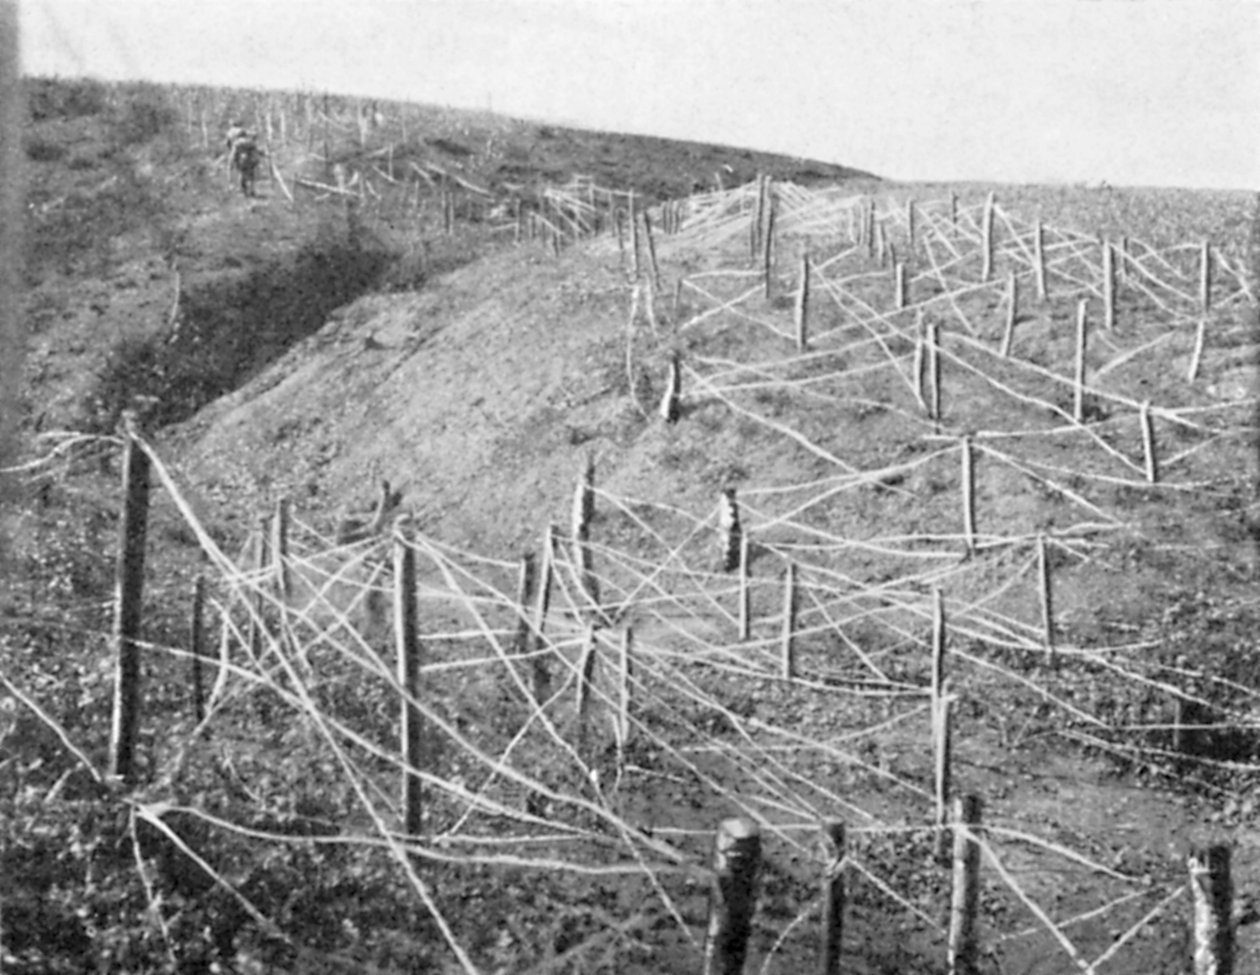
[[986, 271], [1012, 313], [758, 218], [963, 941], [651, 249], [969, 494], [1150, 449], [1109, 286], [934, 367], [953, 213], [940, 727], [1046, 592], [1082, 329], [736, 864], [671, 401], [526, 583], [542, 605], [1039, 254], [920, 367], [408, 648], [732, 532], [279, 549], [619, 230], [634, 237], [197, 647], [625, 674], [1196, 358], [1211, 888], [1205, 277], [910, 224], [583, 514], [1122, 265], [870, 230], [745, 588], [801, 310], [586, 678], [787, 641], [833, 897], [899, 284], [128, 609], [881, 243], [767, 248]]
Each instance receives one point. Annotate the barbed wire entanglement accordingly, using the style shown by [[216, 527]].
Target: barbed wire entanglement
[[592, 712]]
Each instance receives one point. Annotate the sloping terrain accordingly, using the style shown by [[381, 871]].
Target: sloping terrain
[[481, 380]]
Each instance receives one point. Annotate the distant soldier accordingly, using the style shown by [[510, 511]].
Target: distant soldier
[[244, 157]]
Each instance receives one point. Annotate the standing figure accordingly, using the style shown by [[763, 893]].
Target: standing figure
[[244, 157]]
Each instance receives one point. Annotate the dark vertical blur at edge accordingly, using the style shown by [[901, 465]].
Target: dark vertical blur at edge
[[12, 342]]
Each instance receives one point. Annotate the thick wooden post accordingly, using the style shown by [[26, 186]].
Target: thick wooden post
[[1109, 286], [801, 311], [941, 741], [986, 271], [963, 942], [1212, 890], [736, 864], [1012, 314], [833, 897], [1082, 332], [671, 400], [787, 640], [732, 532], [1205, 277], [407, 645], [583, 513], [1046, 590], [526, 580], [197, 647], [968, 494], [745, 588], [1039, 251], [128, 604]]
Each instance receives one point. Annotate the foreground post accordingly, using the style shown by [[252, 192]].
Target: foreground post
[[788, 640], [941, 743], [969, 494], [407, 642], [197, 647], [736, 863], [963, 943], [1212, 891], [525, 583], [127, 611], [833, 897]]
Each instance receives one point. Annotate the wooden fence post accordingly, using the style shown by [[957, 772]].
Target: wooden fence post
[[279, 549], [197, 647], [745, 588], [968, 494], [870, 229], [953, 214], [633, 216], [899, 285], [586, 678], [583, 513], [671, 401], [833, 897], [625, 674], [1046, 590], [1109, 286], [801, 311], [736, 864], [1205, 277], [1196, 358], [787, 641], [934, 367], [767, 245], [129, 573], [542, 679], [920, 367], [651, 249], [732, 532], [910, 225], [407, 645], [941, 742], [1212, 891], [1082, 331], [1150, 448], [1012, 314], [986, 271], [963, 943], [1039, 253], [526, 582]]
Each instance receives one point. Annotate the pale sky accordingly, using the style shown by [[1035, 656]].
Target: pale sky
[[1137, 92]]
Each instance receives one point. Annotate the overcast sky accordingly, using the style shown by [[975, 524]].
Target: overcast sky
[[1142, 92]]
